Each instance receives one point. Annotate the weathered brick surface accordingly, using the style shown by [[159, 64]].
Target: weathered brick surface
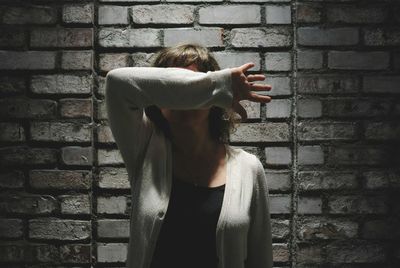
[[62, 37], [60, 179], [78, 13], [59, 229], [162, 14], [60, 132], [209, 37], [328, 140], [61, 84], [76, 155], [261, 37], [75, 204], [27, 60], [244, 14], [113, 178], [110, 37]]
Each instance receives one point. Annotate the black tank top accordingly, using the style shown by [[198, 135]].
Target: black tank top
[[188, 234]]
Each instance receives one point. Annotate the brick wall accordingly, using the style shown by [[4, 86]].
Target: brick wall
[[329, 139]]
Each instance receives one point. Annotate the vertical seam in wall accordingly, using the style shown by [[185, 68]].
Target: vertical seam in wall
[[293, 231], [93, 217]]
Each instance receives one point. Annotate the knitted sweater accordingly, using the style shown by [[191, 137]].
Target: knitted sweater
[[243, 231]]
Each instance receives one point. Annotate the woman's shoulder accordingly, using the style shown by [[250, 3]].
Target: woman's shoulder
[[246, 158]]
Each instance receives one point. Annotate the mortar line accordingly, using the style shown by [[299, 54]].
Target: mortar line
[[294, 201]]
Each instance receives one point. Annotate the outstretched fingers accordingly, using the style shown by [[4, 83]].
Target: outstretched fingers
[[258, 97]]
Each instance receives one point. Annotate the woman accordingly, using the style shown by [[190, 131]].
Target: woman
[[196, 201]]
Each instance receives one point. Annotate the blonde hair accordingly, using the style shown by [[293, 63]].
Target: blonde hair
[[221, 121]]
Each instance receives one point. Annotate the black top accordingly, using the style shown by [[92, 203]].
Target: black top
[[188, 234]]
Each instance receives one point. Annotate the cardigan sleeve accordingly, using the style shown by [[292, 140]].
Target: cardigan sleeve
[[130, 89], [259, 243]]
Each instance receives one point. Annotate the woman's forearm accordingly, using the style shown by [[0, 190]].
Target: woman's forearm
[[171, 87]]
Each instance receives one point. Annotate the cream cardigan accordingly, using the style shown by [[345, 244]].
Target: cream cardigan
[[244, 228]]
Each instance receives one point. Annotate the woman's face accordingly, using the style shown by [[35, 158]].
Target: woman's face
[[186, 117]]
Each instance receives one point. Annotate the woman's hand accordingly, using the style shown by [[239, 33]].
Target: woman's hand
[[242, 87]]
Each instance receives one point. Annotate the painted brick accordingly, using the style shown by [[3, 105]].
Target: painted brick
[[110, 61], [28, 15], [361, 252], [280, 252], [235, 59], [380, 179], [104, 135], [13, 179], [244, 14], [76, 108], [260, 132], [113, 178], [113, 228], [381, 84], [60, 179], [23, 155], [281, 85], [12, 38], [309, 108], [355, 60], [309, 12], [27, 108], [78, 13], [75, 204], [328, 84], [101, 112], [76, 253], [163, 14], [111, 252], [112, 205], [278, 14], [315, 228], [278, 156], [278, 61], [309, 205], [140, 59], [76, 60], [278, 180], [307, 59], [360, 155], [382, 130], [279, 108], [61, 37], [280, 203], [209, 37], [12, 132], [261, 37], [310, 131], [351, 204], [60, 132], [61, 84], [361, 107], [28, 204], [280, 228], [11, 228], [325, 180], [145, 37], [314, 36], [113, 15], [352, 14], [252, 109], [77, 156], [310, 155], [12, 85], [109, 157], [308, 253], [59, 229], [27, 60]]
